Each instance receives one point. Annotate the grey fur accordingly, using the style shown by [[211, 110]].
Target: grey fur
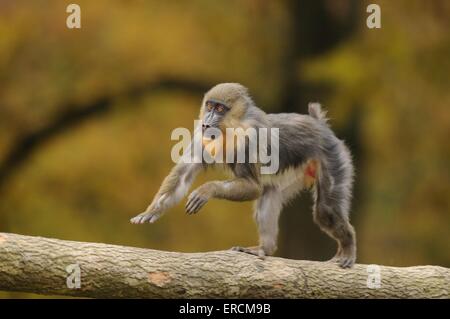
[[302, 138]]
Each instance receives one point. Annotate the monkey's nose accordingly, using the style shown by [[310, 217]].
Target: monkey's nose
[[205, 127]]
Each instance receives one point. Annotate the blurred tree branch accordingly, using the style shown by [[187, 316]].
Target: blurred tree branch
[[40, 265], [74, 114]]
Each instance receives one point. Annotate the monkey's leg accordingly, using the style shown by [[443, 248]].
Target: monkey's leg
[[267, 212], [337, 226], [239, 189], [172, 190]]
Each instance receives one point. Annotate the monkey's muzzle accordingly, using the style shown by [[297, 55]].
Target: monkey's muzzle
[[205, 127]]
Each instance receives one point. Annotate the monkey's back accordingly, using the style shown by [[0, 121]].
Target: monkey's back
[[301, 137]]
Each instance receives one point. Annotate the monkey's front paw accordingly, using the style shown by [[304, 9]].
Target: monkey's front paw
[[145, 217], [196, 200]]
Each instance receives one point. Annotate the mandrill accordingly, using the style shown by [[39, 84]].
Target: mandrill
[[309, 156]]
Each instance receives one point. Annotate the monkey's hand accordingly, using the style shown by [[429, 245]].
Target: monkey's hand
[[152, 213], [199, 197]]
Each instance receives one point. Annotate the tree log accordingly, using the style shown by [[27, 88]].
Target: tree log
[[46, 266]]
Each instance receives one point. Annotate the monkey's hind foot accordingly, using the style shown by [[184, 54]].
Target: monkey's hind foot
[[343, 260], [256, 251], [347, 261]]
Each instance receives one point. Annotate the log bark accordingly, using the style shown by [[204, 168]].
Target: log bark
[[46, 266]]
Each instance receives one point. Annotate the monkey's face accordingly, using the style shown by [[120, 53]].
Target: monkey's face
[[213, 114], [223, 106]]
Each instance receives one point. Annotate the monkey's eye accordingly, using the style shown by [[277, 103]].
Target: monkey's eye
[[220, 108], [209, 106]]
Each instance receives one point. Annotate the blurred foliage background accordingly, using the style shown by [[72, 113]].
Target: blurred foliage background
[[86, 117]]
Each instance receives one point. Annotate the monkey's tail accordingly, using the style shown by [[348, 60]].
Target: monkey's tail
[[315, 110]]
